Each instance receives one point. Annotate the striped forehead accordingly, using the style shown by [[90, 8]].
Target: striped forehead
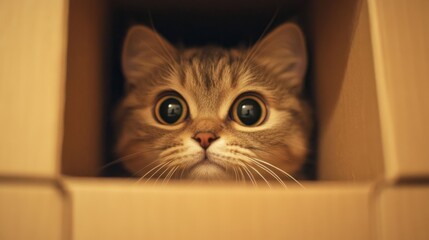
[[209, 77], [210, 80]]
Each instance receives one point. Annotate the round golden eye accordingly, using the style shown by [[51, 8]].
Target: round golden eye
[[249, 110], [171, 109]]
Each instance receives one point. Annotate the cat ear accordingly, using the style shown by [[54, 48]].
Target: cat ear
[[143, 51], [283, 52]]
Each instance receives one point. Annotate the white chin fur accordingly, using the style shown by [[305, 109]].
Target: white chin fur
[[207, 171]]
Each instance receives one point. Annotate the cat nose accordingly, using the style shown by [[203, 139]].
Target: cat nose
[[205, 139]]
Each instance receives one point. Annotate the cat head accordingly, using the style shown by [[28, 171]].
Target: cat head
[[213, 113]]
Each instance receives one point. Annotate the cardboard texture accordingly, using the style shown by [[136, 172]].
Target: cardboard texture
[[369, 70], [201, 211], [403, 213], [32, 71], [347, 110], [399, 37], [82, 146], [30, 211]]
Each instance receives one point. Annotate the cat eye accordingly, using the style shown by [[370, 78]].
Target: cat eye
[[249, 110], [171, 109]]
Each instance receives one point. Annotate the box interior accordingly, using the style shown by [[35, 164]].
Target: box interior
[[340, 80]]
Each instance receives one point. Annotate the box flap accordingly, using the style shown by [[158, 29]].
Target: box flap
[[113, 209], [32, 77]]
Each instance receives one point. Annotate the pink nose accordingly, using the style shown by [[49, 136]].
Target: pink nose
[[205, 139]]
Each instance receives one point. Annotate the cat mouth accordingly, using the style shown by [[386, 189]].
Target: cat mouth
[[207, 162], [207, 169]]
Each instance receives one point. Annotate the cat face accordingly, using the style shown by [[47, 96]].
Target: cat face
[[211, 113]]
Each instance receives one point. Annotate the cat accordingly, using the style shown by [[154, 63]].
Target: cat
[[211, 113]]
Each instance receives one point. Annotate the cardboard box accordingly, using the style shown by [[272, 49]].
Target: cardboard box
[[369, 61], [402, 212], [31, 210], [125, 210]]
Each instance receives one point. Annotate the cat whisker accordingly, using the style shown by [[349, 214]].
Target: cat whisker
[[159, 166], [273, 174], [121, 159], [170, 174], [129, 157], [154, 173], [174, 172], [241, 174], [167, 168], [165, 158], [181, 174], [250, 175], [235, 173], [257, 162], [152, 169], [143, 168], [266, 169], [254, 169], [282, 171], [168, 163], [247, 173]]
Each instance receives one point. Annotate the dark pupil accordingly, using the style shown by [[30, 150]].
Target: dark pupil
[[249, 111], [170, 110]]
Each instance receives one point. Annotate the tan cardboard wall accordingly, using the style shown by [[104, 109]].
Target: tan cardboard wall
[[403, 212], [349, 144], [85, 83], [400, 35], [32, 71], [30, 210], [109, 209]]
